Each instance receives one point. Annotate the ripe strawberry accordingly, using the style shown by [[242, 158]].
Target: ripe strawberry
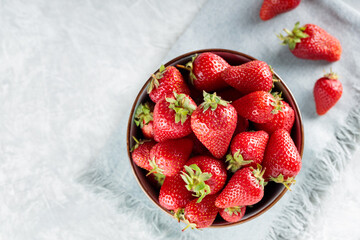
[[242, 125], [165, 82], [173, 193], [312, 42], [259, 106], [284, 119], [169, 157], [204, 175], [205, 71], [214, 123], [141, 153], [246, 187], [270, 8], [232, 214], [249, 77], [327, 91], [200, 215], [282, 160], [144, 118], [171, 117], [247, 149]]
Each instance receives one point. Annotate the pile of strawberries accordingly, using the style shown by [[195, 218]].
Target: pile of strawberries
[[209, 155]]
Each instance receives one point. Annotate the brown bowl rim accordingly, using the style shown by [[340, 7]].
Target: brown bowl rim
[[297, 110]]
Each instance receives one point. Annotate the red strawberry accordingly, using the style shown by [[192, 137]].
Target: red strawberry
[[282, 160], [327, 91], [200, 215], [141, 153], [170, 156], [214, 123], [242, 125], [144, 118], [205, 71], [246, 187], [232, 214], [229, 94], [249, 77], [312, 42], [173, 193], [171, 117], [283, 119], [165, 82], [247, 149], [271, 8], [259, 106], [204, 175]]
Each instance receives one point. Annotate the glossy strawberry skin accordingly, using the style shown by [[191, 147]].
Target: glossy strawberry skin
[[249, 77], [213, 166], [327, 93], [202, 214], [173, 193], [207, 68], [141, 155], [171, 81], [320, 45], [215, 128], [171, 155], [165, 127], [148, 130], [281, 156], [242, 189], [233, 217], [255, 106], [251, 145], [270, 8], [284, 119]]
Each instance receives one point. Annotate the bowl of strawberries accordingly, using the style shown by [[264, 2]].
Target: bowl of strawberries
[[215, 138]]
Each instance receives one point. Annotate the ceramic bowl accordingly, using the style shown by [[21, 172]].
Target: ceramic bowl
[[273, 191]]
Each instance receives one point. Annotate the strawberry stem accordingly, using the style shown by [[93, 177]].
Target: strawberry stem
[[233, 210], [212, 101], [293, 36], [182, 107], [155, 167], [236, 161], [143, 115], [195, 181], [277, 104], [281, 179], [154, 83], [138, 143], [189, 66]]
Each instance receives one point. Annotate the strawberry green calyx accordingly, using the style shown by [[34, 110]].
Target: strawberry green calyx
[[274, 77], [195, 181], [159, 178], [143, 115], [287, 182], [155, 167], [154, 83], [277, 103], [331, 75], [233, 210], [179, 215], [182, 107], [212, 101], [138, 143], [236, 161], [189, 66], [293, 36], [258, 174]]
